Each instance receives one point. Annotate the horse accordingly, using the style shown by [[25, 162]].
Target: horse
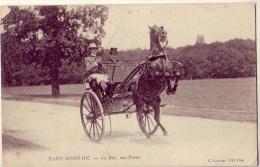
[[160, 74]]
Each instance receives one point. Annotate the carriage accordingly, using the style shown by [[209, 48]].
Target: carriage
[[121, 97]]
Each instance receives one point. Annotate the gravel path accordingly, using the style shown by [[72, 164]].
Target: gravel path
[[57, 129]]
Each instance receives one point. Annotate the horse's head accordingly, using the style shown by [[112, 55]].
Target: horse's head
[[157, 35]]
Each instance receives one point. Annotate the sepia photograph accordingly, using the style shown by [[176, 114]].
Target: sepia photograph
[[152, 84]]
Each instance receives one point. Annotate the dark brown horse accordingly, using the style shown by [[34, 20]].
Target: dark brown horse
[[159, 74]]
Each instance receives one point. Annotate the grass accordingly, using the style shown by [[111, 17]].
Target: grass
[[231, 95]]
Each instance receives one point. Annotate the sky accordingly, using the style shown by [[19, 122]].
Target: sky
[[127, 25]]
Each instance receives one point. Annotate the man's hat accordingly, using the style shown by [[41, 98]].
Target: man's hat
[[113, 51]]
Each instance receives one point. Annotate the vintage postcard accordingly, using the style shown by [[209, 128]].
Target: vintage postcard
[[129, 85]]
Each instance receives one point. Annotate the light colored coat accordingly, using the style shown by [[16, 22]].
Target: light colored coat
[[91, 62], [91, 66]]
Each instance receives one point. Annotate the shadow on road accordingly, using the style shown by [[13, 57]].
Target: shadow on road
[[154, 140], [118, 134], [12, 143], [139, 138]]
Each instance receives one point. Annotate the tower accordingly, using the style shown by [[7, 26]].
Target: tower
[[200, 39]]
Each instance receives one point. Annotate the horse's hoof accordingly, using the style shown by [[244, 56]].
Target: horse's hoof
[[165, 133]]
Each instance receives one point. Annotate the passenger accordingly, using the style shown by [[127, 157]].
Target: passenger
[[95, 68], [113, 52]]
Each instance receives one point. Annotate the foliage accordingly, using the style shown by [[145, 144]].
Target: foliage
[[232, 59], [47, 35]]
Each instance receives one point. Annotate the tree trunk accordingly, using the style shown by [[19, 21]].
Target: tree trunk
[[54, 73]]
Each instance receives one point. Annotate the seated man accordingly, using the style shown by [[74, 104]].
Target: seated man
[[95, 69], [113, 52]]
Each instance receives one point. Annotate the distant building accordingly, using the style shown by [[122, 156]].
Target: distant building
[[200, 39]]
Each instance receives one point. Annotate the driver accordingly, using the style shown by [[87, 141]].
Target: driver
[[95, 69]]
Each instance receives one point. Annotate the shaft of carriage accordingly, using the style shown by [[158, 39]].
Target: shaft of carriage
[[93, 109]]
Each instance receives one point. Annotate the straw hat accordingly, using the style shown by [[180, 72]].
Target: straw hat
[[93, 45]]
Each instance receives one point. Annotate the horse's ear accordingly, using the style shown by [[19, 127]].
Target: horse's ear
[[149, 27]]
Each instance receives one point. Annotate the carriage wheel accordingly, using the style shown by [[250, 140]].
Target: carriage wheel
[[146, 121], [92, 116]]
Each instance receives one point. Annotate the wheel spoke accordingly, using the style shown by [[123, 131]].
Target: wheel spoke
[[94, 107], [151, 121], [86, 107], [86, 97], [87, 115], [97, 130], [99, 126], [91, 102], [92, 116], [99, 117], [90, 128], [148, 123], [86, 123], [94, 131]]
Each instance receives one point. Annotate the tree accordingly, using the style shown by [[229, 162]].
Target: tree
[[46, 35]]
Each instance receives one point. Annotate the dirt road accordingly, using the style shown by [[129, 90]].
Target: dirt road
[[57, 139]]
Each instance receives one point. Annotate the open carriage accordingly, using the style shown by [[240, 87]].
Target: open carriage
[[121, 97], [94, 108]]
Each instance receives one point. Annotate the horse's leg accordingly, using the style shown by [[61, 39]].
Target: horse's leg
[[139, 105], [156, 106], [176, 82]]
